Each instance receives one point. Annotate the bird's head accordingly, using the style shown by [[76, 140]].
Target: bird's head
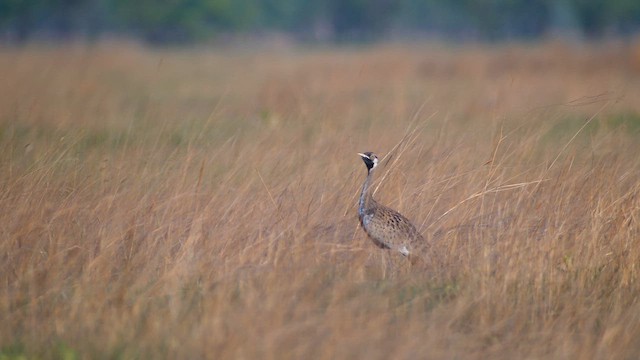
[[370, 160]]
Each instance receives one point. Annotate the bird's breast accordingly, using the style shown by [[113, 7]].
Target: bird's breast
[[366, 219]]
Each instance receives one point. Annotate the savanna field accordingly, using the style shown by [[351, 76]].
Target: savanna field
[[202, 203]]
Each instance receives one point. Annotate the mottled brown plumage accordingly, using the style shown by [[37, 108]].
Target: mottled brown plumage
[[386, 227]]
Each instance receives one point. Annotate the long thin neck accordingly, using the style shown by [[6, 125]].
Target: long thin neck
[[366, 198]]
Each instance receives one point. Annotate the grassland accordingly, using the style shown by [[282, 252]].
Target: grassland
[[199, 203]]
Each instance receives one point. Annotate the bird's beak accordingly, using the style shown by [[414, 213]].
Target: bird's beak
[[362, 155]]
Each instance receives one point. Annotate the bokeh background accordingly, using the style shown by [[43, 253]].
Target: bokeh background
[[181, 21]]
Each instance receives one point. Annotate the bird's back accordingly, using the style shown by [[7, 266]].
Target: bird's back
[[389, 229]]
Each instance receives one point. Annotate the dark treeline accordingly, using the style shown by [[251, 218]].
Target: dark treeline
[[162, 21]]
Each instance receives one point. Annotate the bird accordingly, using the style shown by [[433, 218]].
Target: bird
[[387, 228]]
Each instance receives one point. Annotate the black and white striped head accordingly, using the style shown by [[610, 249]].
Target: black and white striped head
[[370, 159]]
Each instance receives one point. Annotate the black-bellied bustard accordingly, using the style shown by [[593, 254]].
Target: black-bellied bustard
[[386, 227]]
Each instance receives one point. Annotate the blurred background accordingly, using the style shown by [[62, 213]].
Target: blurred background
[[186, 21]]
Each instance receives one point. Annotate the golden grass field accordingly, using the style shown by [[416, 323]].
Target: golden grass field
[[202, 203]]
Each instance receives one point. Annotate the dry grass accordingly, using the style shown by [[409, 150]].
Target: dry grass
[[199, 204]]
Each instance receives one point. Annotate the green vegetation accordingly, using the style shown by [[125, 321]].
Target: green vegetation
[[191, 20], [13, 352], [17, 351]]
